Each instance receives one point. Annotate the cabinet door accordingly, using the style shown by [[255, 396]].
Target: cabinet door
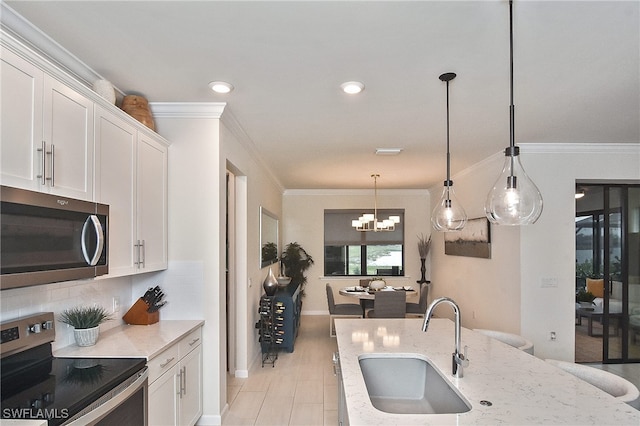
[[68, 133], [21, 118], [191, 396], [162, 399], [115, 145], [152, 203]]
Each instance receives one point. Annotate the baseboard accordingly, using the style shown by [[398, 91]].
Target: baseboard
[[241, 374], [315, 313], [210, 420]]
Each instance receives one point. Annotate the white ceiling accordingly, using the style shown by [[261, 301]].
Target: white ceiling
[[577, 75]]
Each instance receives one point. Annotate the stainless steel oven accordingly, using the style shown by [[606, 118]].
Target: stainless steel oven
[[67, 391], [47, 238]]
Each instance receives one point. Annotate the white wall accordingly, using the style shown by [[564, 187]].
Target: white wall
[[261, 189], [487, 290], [203, 148], [506, 292], [303, 213], [196, 233]]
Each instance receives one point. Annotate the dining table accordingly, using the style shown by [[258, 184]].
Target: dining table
[[364, 294]]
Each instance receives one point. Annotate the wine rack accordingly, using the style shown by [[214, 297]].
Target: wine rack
[[271, 328]]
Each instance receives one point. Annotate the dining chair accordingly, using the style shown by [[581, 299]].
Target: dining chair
[[418, 309], [388, 304], [340, 310], [514, 340], [614, 385]]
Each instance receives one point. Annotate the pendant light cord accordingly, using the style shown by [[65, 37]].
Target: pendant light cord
[[448, 183], [375, 201], [513, 152]]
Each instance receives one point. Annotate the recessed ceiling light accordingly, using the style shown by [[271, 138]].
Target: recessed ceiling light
[[388, 151], [352, 87], [221, 86]]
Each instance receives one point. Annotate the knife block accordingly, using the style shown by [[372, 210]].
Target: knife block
[[138, 315]]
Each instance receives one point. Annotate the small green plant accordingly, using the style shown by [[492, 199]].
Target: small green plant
[[85, 317], [584, 296]]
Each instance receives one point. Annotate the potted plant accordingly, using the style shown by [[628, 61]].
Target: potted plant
[[296, 261], [585, 298], [85, 322], [424, 244]]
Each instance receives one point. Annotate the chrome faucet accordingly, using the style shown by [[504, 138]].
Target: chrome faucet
[[459, 360]]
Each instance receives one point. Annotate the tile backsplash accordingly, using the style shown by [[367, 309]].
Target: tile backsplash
[[57, 297], [182, 284]]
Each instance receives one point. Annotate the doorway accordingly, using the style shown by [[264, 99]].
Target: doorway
[[607, 229]]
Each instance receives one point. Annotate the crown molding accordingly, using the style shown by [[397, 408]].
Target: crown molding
[[211, 110], [356, 192], [233, 125]]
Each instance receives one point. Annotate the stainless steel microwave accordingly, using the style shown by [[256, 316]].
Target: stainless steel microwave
[[47, 238]]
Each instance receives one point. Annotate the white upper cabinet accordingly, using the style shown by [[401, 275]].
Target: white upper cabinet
[[116, 186], [152, 204], [21, 85], [47, 132], [131, 177]]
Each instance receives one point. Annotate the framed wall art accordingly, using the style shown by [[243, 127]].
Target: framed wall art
[[474, 240]]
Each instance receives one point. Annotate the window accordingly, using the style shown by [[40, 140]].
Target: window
[[348, 252]]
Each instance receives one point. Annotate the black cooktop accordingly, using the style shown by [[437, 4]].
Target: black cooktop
[[55, 389]]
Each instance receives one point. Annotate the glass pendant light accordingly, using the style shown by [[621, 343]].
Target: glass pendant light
[[514, 198], [448, 215]]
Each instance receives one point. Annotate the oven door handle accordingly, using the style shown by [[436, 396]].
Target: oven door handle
[[93, 259], [103, 406]]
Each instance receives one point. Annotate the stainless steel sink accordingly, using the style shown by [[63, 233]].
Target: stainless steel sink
[[409, 385]]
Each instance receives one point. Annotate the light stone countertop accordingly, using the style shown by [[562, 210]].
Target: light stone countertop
[[522, 388], [133, 341]]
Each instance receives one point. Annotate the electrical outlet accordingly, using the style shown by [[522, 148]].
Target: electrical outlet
[[116, 304], [552, 335], [549, 282]]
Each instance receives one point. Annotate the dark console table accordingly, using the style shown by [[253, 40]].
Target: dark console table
[[278, 326]]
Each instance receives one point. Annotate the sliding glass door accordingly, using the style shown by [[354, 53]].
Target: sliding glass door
[[608, 265]]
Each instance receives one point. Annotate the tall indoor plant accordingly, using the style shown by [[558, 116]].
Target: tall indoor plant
[[424, 244], [296, 261]]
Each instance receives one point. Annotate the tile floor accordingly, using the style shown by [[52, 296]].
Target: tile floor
[[301, 388]]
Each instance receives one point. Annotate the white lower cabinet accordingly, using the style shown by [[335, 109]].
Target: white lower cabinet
[[175, 383]]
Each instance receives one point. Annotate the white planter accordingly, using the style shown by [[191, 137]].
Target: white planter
[[86, 336]]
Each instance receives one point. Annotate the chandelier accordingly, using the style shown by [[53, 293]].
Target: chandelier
[[370, 222]]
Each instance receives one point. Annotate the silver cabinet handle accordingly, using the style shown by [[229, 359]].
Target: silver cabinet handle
[[194, 341], [183, 381], [43, 163], [137, 247], [167, 362], [144, 254], [97, 227], [53, 154]]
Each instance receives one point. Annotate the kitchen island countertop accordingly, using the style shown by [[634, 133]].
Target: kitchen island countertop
[[522, 389], [133, 341]]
